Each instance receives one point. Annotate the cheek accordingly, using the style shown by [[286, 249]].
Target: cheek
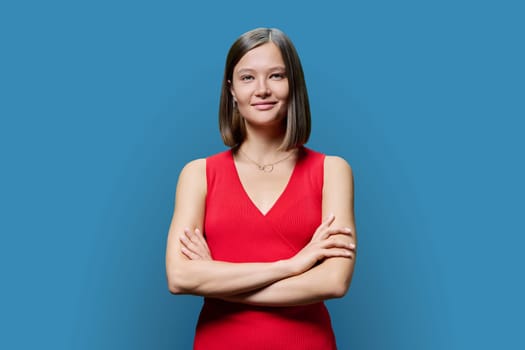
[[282, 91], [241, 95]]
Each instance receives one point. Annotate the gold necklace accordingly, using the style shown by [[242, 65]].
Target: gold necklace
[[267, 168]]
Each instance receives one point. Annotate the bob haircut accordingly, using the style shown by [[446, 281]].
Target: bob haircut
[[298, 119]]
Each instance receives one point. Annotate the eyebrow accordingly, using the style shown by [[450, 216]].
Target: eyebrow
[[249, 70]]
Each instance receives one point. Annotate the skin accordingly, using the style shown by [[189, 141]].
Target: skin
[[323, 268], [260, 89]]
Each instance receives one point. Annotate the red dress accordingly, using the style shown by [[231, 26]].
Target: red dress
[[237, 231]]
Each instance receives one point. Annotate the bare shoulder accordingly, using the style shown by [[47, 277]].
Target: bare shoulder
[[338, 191], [336, 167], [196, 167], [193, 175]]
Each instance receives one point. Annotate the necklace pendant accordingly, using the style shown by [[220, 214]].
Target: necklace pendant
[[267, 168]]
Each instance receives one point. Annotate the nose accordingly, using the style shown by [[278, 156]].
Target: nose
[[262, 89]]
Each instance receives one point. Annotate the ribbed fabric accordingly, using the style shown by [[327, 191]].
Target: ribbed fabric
[[236, 231]]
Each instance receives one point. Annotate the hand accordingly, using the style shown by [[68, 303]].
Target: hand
[[323, 245], [194, 245], [324, 231]]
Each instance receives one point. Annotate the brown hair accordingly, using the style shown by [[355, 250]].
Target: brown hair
[[298, 120]]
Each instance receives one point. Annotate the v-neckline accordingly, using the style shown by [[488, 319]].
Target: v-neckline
[[281, 195]]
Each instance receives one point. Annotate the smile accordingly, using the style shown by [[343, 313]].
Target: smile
[[263, 106]]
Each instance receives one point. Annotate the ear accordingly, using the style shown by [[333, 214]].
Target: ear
[[232, 91]]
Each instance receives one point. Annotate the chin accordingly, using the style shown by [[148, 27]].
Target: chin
[[275, 122]]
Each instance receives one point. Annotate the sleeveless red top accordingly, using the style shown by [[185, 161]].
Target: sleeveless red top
[[237, 231]]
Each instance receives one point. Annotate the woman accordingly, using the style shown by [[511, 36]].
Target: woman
[[247, 232]]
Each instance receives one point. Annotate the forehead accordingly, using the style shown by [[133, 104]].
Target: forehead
[[262, 57]]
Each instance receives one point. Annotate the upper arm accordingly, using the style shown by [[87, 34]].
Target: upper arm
[[338, 191], [189, 209], [338, 198]]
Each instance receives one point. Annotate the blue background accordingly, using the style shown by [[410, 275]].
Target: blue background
[[103, 102]]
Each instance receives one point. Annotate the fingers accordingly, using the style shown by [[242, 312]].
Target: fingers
[[196, 236], [336, 231], [319, 250], [324, 230], [336, 243], [191, 236], [324, 226], [189, 254], [338, 253], [202, 242], [328, 221], [187, 244], [337, 248], [193, 245]]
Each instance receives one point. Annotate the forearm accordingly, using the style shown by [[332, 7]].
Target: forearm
[[193, 272], [330, 279], [220, 279]]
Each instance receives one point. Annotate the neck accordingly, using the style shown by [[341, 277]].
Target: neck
[[262, 145]]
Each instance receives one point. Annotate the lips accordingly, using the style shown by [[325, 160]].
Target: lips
[[264, 105]]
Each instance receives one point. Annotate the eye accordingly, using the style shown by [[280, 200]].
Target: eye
[[246, 77], [278, 76]]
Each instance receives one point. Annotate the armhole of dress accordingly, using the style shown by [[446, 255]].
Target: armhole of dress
[[322, 173], [207, 182]]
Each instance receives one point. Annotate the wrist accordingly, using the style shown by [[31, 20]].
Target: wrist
[[285, 268]]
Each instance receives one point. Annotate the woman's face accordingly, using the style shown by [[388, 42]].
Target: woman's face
[[260, 86]]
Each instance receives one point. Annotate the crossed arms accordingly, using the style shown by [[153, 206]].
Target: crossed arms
[[321, 270]]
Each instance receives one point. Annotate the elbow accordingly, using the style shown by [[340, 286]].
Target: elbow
[[177, 282], [174, 288], [339, 286], [338, 290], [339, 281]]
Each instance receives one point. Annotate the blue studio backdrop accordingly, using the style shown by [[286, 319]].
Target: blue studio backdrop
[[103, 102]]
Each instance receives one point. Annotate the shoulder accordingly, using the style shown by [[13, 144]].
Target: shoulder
[[337, 172], [332, 164], [190, 194], [338, 184], [194, 168], [337, 164], [197, 167], [192, 177], [194, 174]]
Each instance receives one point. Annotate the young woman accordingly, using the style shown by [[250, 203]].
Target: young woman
[[264, 231]]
